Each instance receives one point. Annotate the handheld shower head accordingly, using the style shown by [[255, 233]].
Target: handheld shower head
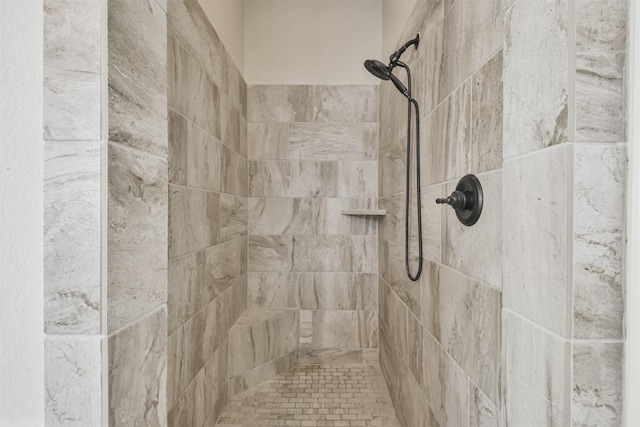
[[383, 72]]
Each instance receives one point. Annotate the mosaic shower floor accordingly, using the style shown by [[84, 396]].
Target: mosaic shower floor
[[315, 396]]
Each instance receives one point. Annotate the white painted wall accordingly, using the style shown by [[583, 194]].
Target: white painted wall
[[227, 17], [311, 41], [21, 214], [395, 14]]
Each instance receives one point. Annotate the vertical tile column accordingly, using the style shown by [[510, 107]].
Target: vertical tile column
[[565, 163], [74, 142], [313, 152], [207, 214]]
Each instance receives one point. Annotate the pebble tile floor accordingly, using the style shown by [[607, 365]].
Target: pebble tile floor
[[315, 396]]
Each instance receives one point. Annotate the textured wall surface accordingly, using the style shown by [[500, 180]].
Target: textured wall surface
[[207, 214], [313, 152], [517, 320]]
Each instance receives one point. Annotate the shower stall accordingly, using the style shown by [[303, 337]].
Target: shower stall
[[227, 245]]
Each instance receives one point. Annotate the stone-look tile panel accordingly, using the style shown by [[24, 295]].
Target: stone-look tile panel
[[345, 103], [536, 369], [454, 126], [597, 384], [138, 75], [393, 317], [598, 223], [333, 141], [195, 155], [262, 340], [460, 243], [601, 25], [340, 291], [72, 237], [138, 373], [280, 103], [388, 225], [280, 178], [270, 253], [393, 165], [197, 279], [277, 289], [432, 215], [188, 23], [469, 313], [233, 217], [234, 172], [341, 329], [262, 373], [408, 291], [73, 381], [535, 238], [137, 249], [268, 140], [535, 76], [204, 398], [486, 117], [72, 61], [192, 91], [239, 296], [335, 253], [194, 343], [430, 318], [483, 412], [193, 220]]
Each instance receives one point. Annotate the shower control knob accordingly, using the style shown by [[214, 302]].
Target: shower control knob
[[466, 200]]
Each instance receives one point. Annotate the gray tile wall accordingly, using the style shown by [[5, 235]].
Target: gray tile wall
[[207, 233], [313, 152], [518, 319]]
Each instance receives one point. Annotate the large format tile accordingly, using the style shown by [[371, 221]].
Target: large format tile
[[262, 373], [460, 243], [469, 314], [137, 43], [73, 381], [280, 103], [335, 253], [345, 103], [340, 291], [233, 217], [137, 235], [597, 384], [341, 329], [270, 253], [72, 237], [406, 289], [268, 141], [281, 178], [598, 240], [138, 373], [535, 76], [536, 374], [193, 220], [333, 141], [277, 289], [535, 238], [72, 61]]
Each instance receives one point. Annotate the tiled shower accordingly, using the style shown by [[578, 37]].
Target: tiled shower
[[196, 246]]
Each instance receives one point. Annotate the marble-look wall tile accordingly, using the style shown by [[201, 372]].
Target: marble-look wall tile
[[280, 103], [431, 298], [483, 412], [345, 103], [340, 291], [358, 179], [197, 279], [193, 220], [535, 76], [535, 238], [393, 316], [333, 141], [281, 178], [268, 140], [72, 78], [138, 373], [239, 296], [256, 343], [536, 366], [335, 253], [455, 129], [393, 166], [431, 381], [230, 124], [460, 244], [270, 253], [234, 172], [486, 107], [137, 43], [469, 314], [455, 393], [433, 148], [330, 356], [233, 217], [192, 92], [388, 225], [597, 384], [72, 237], [189, 24], [137, 249], [601, 25], [598, 192], [276, 289], [406, 289], [262, 373], [73, 381], [431, 222], [343, 329]]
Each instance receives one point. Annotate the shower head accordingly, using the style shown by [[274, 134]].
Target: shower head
[[383, 72]]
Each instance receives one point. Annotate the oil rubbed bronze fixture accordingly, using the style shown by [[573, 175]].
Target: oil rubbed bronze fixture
[[467, 200]]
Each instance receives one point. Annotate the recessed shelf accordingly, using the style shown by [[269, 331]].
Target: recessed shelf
[[364, 212]]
